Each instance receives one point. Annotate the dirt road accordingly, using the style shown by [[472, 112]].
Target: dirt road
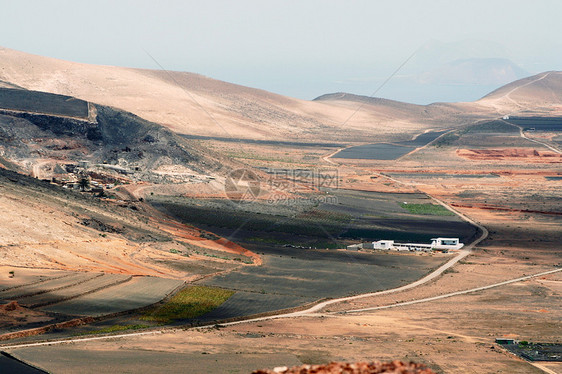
[[522, 134], [439, 297]]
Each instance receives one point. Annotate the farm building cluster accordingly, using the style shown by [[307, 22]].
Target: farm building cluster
[[437, 244]]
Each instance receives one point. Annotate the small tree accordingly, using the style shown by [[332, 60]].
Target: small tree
[[84, 184]]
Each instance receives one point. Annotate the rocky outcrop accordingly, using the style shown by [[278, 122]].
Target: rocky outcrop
[[355, 368]]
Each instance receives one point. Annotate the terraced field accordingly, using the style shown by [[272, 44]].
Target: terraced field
[[136, 293], [30, 276], [49, 285], [91, 285]]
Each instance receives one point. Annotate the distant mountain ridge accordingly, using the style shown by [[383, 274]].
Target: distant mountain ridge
[[540, 92], [474, 71], [192, 104], [549, 82], [367, 99]]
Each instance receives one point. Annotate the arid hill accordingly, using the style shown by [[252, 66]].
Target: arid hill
[[538, 94], [39, 131], [192, 104], [186, 103]]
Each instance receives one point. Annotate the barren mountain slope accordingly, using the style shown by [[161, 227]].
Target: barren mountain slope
[[39, 131], [193, 104], [436, 115], [185, 102], [541, 93], [43, 226]]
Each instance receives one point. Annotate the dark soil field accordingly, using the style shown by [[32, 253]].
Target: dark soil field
[[378, 151], [317, 274], [348, 215], [293, 272], [244, 303], [137, 293], [73, 360], [423, 139], [379, 215], [538, 123], [536, 351], [492, 134], [41, 102], [387, 151], [291, 277]]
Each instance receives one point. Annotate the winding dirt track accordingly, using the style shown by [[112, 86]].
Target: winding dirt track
[[522, 134], [439, 297]]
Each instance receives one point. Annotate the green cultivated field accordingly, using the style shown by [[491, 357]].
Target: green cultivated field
[[189, 303]]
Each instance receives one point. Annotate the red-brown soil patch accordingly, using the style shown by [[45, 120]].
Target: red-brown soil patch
[[201, 238], [503, 208], [12, 314], [513, 154]]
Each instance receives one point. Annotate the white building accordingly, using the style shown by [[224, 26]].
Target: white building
[[413, 247], [436, 244], [446, 243], [383, 244]]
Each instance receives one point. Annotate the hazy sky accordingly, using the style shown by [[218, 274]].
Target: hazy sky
[[297, 48]]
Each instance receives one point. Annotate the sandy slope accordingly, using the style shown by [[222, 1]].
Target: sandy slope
[[193, 104], [38, 233], [540, 93], [187, 103], [46, 227]]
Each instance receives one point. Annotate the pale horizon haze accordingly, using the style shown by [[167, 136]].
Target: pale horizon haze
[[462, 49]]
